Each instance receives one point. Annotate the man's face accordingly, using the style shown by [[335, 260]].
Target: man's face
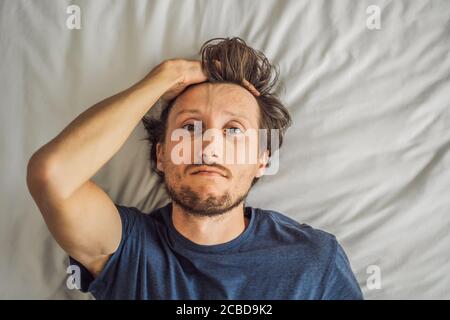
[[223, 109]]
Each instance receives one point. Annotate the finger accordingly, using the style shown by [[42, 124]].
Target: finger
[[250, 87], [247, 84], [217, 63], [200, 76]]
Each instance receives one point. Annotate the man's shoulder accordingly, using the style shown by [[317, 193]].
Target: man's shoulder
[[292, 232], [143, 219], [285, 221]]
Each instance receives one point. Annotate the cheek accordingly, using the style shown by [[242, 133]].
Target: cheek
[[175, 172], [243, 174], [172, 171], [168, 161]]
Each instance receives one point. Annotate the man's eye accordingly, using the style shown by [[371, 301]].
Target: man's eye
[[188, 127], [233, 130]]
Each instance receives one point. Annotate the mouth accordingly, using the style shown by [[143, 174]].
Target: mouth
[[208, 172]]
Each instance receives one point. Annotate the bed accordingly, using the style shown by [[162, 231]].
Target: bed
[[367, 158]]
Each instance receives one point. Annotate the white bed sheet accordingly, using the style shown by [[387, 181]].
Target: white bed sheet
[[367, 158]]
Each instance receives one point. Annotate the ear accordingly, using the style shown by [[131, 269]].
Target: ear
[[159, 156], [262, 164]]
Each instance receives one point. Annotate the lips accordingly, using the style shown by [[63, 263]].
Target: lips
[[208, 171]]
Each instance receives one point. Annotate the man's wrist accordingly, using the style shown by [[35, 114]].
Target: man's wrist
[[157, 83]]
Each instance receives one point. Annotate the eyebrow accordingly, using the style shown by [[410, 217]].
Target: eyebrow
[[193, 111]]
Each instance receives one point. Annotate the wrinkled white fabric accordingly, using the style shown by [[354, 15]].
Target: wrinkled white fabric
[[367, 158]]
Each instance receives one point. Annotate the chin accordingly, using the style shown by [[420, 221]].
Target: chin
[[207, 189]]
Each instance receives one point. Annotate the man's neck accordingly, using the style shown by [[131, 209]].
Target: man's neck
[[210, 230]]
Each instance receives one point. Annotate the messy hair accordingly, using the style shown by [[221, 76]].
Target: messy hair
[[238, 61]]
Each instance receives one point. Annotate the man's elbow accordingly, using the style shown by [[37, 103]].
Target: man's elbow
[[39, 174]]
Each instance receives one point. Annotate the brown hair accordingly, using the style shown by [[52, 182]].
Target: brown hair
[[238, 61]]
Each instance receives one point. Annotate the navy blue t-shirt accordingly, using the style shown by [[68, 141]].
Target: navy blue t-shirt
[[274, 258]]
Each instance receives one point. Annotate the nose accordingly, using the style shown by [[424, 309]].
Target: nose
[[212, 147], [210, 157]]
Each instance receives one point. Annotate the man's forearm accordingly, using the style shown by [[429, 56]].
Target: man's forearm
[[89, 141]]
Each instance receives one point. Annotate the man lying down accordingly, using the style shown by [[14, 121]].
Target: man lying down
[[206, 243]]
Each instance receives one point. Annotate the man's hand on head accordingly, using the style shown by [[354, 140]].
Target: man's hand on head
[[183, 73]]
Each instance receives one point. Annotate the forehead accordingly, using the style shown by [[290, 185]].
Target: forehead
[[215, 99]]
